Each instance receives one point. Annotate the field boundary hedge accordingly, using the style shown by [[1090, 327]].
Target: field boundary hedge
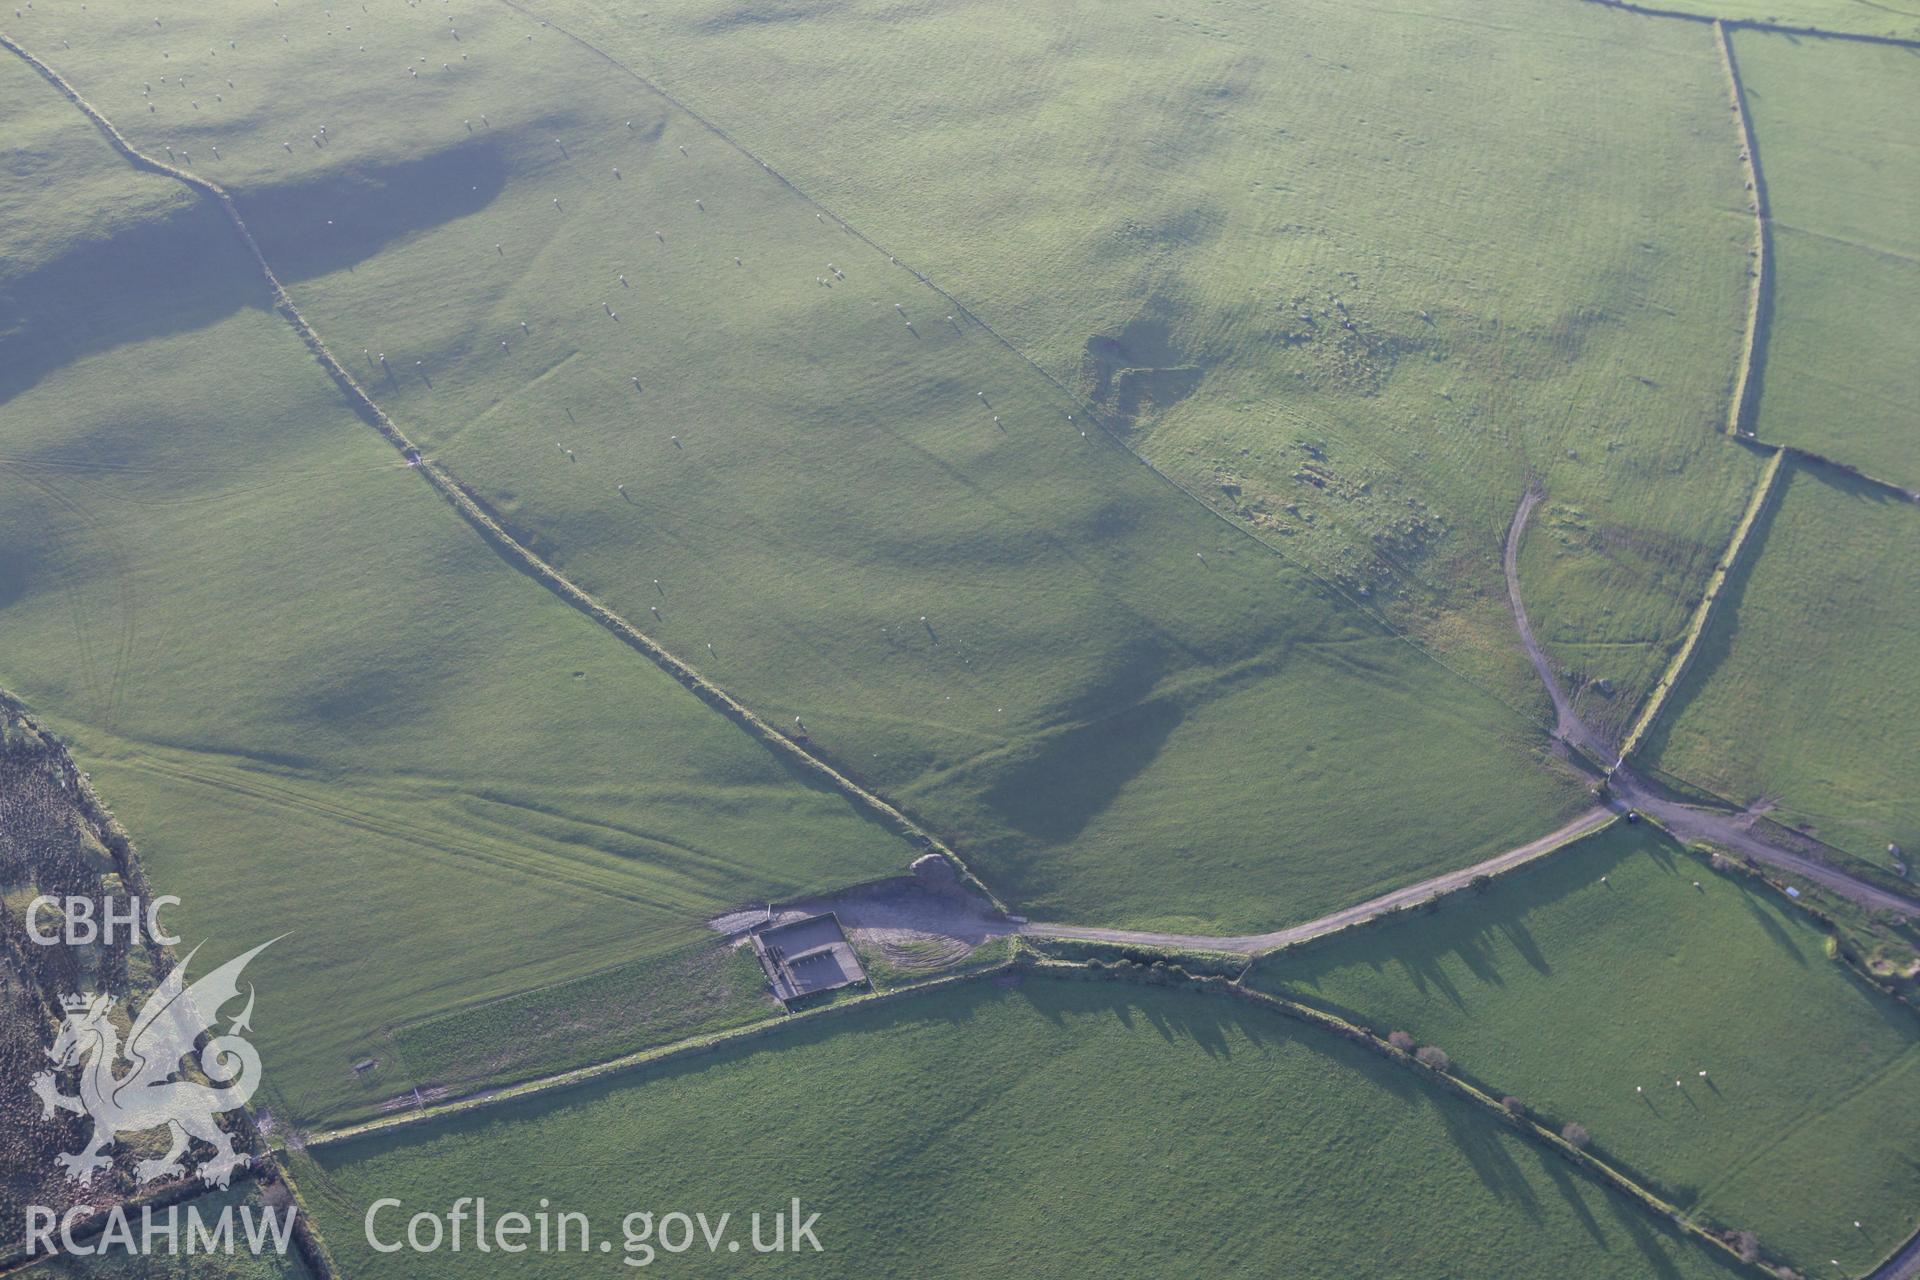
[[695, 1047], [1730, 866], [1758, 24], [1780, 834], [467, 503], [1524, 1123], [1763, 495], [1742, 405], [1026, 961]]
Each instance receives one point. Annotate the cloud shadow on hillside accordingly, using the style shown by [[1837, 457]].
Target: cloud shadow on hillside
[[311, 229], [174, 273]]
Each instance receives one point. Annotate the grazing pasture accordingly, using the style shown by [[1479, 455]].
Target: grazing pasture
[[1833, 126], [322, 705], [783, 456], [1899, 19], [1702, 1035], [1055, 1129], [1801, 700], [1351, 274], [696, 989]]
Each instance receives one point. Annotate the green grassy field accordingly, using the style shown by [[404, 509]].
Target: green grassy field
[[1801, 695], [1350, 273], [703, 987], [1022, 634], [1897, 18], [1589, 998], [1832, 123], [1052, 1130], [320, 702]]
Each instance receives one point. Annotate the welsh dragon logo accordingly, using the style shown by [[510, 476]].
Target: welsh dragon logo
[[147, 1097]]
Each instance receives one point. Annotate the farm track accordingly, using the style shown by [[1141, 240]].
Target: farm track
[[1630, 792], [1568, 726], [1347, 917], [1567, 723], [1904, 1265], [1630, 789]]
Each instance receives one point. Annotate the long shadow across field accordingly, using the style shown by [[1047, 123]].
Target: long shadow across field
[[142, 280], [150, 278]]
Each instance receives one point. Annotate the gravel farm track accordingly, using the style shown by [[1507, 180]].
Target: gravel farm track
[[901, 912], [1629, 792]]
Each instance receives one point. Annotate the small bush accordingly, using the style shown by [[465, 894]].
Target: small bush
[[1576, 1135], [1747, 1245], [1514, 1106], [1432, 1055], [1402, 1041]]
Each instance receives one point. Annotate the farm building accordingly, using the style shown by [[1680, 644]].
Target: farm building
[[806, 957]]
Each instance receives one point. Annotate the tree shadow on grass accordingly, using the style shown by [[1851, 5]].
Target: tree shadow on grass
[[1491, 1159], [1765, 916], [1520, 938], [1177, 1016], [1646, 1234]]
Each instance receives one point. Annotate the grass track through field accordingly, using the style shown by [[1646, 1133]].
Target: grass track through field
[[1567, 722]]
